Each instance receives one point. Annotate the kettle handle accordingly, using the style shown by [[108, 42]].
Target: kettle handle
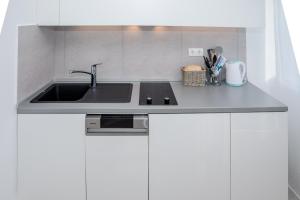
[[244, 71]]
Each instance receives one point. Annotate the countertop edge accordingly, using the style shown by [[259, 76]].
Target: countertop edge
[[152, 111]]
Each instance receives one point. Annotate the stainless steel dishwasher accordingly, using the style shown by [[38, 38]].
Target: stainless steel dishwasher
[[117, 157]]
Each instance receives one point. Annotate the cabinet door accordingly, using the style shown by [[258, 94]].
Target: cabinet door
[[51, 157], [189, 157], [117, 167], [259, 156], [48, 12], [229, 13]]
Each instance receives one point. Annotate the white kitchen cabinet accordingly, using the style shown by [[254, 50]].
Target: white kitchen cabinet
[[238, 156], [117, 167], [259, 154], [51, 157], [189, 156], [48, 12], [220, 13]]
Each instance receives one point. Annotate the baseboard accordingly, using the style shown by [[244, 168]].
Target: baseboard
[[294, 191]]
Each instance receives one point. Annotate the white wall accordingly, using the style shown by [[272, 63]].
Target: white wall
[[289, 81], [272, 67], [3, 6], [19, 12]]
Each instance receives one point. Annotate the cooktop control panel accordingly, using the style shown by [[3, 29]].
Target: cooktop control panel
[[157, 93]]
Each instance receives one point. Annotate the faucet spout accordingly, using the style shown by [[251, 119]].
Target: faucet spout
[[93, 74]]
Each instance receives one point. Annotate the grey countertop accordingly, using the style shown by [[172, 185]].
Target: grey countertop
[[209, 99]]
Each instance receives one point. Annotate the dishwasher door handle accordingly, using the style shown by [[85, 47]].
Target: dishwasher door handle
[[116, 131]]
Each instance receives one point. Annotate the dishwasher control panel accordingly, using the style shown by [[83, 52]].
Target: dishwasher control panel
[[116, 123]]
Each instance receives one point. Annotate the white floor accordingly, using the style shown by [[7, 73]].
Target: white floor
[[292, 196]]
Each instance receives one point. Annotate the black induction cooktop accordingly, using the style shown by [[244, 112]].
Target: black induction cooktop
[[156, 93]]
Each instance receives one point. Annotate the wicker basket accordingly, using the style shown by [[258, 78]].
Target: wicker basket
[[194, 75]]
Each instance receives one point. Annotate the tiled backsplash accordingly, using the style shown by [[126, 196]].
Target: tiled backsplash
[[35, 59], [127, 53], [139, 53]]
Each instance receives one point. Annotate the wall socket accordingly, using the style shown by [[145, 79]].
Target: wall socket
[[195, 52]]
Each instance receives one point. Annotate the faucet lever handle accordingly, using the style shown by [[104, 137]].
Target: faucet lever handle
[[97, 64]]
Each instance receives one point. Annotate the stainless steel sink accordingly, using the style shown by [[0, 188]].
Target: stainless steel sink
[[83, 93]]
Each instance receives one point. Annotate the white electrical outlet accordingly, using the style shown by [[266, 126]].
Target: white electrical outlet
[[195, 52]]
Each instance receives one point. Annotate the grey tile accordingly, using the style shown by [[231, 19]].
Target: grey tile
[[59, 55], [152, 54], [84, 48], [35, 59], [292, 196], [210, 38], [242, 47], [138, 53]]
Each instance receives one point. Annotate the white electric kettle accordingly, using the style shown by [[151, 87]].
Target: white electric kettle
[[236, 73]]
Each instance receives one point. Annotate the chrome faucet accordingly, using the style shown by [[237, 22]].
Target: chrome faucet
[[93, 74]]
